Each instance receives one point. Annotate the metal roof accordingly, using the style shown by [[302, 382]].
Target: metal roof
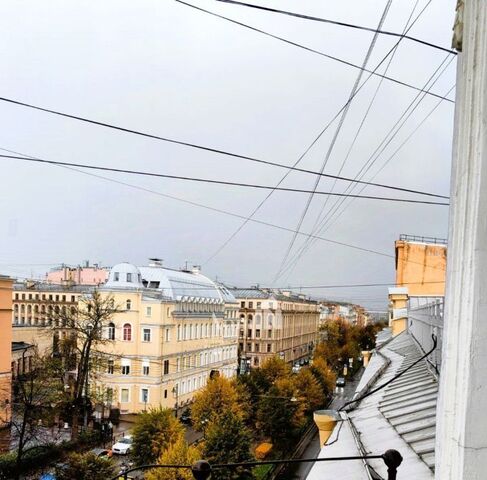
[[401, 416]]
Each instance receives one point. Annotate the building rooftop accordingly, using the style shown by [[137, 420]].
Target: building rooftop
[[401, 416], [36, 286], [264, 293], [420, 239]]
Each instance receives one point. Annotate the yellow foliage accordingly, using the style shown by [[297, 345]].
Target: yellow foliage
[[263, 450]]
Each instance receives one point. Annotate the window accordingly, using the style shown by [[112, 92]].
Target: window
[[127, 332], [148, 311], [249, 333], [57, 298], [269, 333], [257, 333], [16, 296], [111, 331], [270, 318], [256, 347], [145, 368], [144, 395], [269, 348], [146, 334], [129, 277], [166, 367], [168, 335], [64, 298], [125, 367], [242, 304], [116, 277], [124, 395], [110, 367], [259, 304], [165, 393], [129, 304], [271, 305]]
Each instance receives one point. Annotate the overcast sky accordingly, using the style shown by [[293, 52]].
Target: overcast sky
[[167, 69]]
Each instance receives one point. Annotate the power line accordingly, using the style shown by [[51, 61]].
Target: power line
[[309, 49], [211, 181], [221, 211], [257, 208], [341, 24], [333, 141]]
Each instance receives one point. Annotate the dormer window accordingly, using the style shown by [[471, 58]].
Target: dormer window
[[129, 277], [116, 277]]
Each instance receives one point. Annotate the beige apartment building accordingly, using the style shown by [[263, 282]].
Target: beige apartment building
[[176, 328], [275, 323], [34, 303], [5, 349]]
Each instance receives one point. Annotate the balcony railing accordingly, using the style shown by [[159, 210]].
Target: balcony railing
[[202, 470], [417, 238]]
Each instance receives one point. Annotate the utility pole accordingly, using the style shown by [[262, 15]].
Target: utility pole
[[461, 447]]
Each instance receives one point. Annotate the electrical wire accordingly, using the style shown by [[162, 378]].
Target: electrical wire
[[211, 181], [334, 139], [309, 49], [341, 24], [257, 208], [318, 227], [219, 210]]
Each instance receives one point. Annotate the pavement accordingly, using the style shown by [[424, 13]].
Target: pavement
[[299, 471]]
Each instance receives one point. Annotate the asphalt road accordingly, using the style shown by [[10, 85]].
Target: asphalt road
[[299, 471]]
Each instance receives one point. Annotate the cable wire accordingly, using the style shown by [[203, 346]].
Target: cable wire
[[205, 180], [309, 49]]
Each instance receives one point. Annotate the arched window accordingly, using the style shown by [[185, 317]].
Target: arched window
[[127, 332], [129, 304], [111, 331]]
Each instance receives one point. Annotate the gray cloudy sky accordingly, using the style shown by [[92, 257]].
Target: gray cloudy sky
[[164, 68]]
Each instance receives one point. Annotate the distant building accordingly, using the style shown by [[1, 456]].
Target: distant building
[[275, 323], [177, 328], [5, 349], [34, 305], [80, 275], [346, 312]]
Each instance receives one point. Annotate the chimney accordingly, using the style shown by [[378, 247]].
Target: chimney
[[155, 262]]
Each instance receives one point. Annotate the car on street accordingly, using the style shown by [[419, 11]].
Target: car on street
[[340, 382], [186, 417], [123, 446]]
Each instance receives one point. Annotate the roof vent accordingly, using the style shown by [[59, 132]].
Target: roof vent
[[196, 269], [155, 262]]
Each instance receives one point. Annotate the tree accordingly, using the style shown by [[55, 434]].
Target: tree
[[218, 397], [86, 325], [36, 393], [154, 431], [309, 390], [325, 376], [86, 466], [227, 440], [178, 453], [280, 415]]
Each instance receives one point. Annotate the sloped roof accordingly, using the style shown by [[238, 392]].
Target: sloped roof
[[401, 416]]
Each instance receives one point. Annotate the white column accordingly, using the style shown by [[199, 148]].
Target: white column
[[461, 443]]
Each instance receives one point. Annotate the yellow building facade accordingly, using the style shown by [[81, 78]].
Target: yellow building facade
[[421, 265], [6, 285], [174, 330]]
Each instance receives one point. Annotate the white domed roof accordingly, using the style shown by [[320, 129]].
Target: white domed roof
[[124, 275]]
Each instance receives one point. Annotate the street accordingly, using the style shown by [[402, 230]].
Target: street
[[299, 471]]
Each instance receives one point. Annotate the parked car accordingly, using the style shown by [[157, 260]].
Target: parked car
[[123, 446], [340, 382], [296, 367], [186, 417], [101, 452]]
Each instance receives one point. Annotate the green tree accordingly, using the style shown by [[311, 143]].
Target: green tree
[[154, 431], [227, 440], [280, 415], [325, 376], [218, 397], [86, 466], [178, 453]]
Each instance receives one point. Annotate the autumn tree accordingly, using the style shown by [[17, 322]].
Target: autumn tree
[[85, 466], [154, 431], [177, 453], [85, 328], [218, 397], [227, 440], [309, 390], [323, 374]]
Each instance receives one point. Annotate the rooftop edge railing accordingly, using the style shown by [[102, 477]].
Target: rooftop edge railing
[[202, 470], [417, 238]]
